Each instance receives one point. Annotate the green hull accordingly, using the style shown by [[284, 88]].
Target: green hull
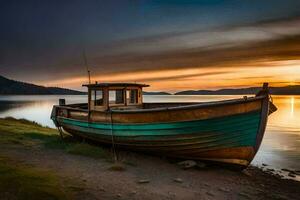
[[230, 131]]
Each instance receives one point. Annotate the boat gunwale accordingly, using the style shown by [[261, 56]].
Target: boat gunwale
[[182, 107], [199, 105], [153, 123]]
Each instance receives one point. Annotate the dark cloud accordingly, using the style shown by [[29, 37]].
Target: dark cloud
[[279, 48], [179, 77], [43, 40]]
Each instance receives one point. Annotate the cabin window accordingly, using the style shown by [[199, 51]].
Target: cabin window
[[116, 96], [97, 97], [132, 96]]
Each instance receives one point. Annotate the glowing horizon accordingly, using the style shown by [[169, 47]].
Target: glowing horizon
[[277, 73]]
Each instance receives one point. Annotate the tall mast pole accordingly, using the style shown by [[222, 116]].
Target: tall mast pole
[[87, 66]]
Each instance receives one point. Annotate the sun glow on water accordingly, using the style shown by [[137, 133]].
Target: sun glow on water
[[292, 105]]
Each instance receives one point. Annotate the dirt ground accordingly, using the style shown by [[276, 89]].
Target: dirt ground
[[148, 177]]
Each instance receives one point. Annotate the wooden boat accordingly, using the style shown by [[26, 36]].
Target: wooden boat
[[229, 131]]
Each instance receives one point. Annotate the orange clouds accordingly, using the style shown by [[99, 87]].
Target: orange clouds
[[239, 56], [278, 73]]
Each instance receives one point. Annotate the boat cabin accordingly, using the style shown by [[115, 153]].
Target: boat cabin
[[115, 96]]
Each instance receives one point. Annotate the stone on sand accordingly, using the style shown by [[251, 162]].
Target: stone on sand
[[178, 180], [144, 181], [187, 164], [292, 175]]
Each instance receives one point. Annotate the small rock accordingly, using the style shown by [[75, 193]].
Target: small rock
[[297, 173], [260, 190], [270, 170], [286, 170], [119, 195], [178, 180], [172, 194], [144, 181], [277, 175], [133, 192], [264, 164], [244, 195], [210, 194], [224, 189], [187, 164], [102, 189], [294, 172], [292, 175]]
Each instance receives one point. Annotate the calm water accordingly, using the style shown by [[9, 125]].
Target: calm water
[[280, 147]]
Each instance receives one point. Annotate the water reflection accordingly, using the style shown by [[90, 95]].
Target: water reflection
[[281, 144], [34, 108], [287, 117], [280, 147], [292, 105]]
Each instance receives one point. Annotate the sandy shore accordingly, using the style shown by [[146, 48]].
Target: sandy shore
[[138, 176], [163, 180]]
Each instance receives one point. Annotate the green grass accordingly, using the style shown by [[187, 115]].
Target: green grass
[[19, 131], [18, 181], [30, 134], [13, 125]]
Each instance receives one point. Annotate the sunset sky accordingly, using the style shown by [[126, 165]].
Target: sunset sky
[[172, 45]]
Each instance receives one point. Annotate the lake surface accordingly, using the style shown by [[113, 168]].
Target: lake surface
[[280, 147]]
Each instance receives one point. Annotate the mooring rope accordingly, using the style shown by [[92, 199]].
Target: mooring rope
[[60, 132], [112, 138]]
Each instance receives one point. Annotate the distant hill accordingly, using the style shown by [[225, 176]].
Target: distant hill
[[155, 93], [12, 87], [287, 90]]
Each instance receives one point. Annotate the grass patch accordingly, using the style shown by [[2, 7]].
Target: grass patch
[[27, 133], [24, 132], [22, 126], [23, 121], [21, 182]]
